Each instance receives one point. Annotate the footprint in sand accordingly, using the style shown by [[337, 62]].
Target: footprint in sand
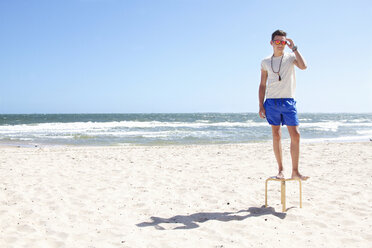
[[347, 222], [25, 229], [10, 240], [317, 223], [48, 244], [367, 237], [61, 235]]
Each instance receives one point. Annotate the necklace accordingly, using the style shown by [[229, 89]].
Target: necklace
[[280, 65]]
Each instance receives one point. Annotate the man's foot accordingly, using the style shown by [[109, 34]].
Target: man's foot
[[299, 176], [280, 175]]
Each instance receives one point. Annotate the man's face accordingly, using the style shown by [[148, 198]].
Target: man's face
[[278, 39]]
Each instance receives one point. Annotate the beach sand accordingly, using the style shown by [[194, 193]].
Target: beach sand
[[183, 196]]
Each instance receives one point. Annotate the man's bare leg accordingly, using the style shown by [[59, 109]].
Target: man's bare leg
[[277, 147], [295, 151]]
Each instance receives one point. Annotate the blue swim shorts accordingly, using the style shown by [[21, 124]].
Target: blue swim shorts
[[281, 111]]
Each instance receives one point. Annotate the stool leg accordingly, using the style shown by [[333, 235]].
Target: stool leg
[[283, 195], [266, 193], [300, 193], [281, 192]]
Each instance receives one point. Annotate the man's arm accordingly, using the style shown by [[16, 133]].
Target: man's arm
[[299, 61], [261, 94]]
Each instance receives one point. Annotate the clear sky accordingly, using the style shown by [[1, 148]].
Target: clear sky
[[138, 56]]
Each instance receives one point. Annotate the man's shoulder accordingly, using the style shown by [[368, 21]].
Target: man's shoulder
[[289, 55]]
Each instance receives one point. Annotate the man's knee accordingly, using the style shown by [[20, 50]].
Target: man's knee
[[277, 134], [295, 136]]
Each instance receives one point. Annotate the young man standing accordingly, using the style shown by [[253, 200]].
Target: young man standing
[[278, 85]]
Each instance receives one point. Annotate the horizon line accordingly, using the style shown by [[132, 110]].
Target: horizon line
[[211, 112]]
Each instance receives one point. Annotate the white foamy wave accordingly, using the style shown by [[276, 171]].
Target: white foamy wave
[[322, 126], [361, 120], [179, 129], [77, 127], [365, 132], [332, 126], [142, 133]]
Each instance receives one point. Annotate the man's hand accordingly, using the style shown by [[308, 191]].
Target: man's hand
[[290, 44], [262, 112], [261, 93], [299, 61]]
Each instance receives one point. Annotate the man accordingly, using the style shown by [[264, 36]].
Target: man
[[279, 107]]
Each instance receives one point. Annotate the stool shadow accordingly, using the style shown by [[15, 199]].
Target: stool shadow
[[191, 221]]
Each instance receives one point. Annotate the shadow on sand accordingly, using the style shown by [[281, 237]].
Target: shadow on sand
[[190, 221]]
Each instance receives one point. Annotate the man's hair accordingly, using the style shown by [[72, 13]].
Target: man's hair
[[278, 32]]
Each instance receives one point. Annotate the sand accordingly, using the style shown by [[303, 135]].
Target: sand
[[183, 196]]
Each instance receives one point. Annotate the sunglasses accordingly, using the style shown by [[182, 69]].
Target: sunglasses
[[277, 42]]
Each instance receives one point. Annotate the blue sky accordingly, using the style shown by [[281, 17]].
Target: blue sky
[[116, 56]]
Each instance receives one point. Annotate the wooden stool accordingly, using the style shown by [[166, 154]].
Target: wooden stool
[[282, 182]]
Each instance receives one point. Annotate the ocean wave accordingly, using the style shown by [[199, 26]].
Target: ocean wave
[[96, 126], [180, 128], [365, 132], [333, 126]]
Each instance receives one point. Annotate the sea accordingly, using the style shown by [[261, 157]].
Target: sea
[[173, 129]]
